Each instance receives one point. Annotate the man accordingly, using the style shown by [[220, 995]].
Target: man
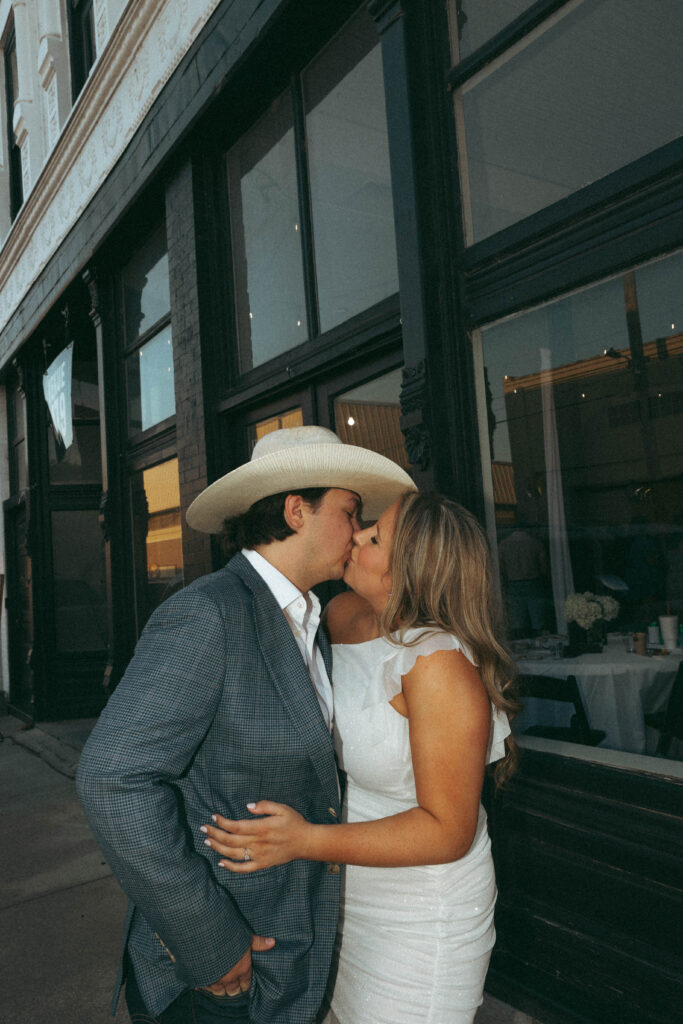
[[227, 700]]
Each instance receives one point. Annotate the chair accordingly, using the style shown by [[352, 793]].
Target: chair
[[567, 691], [669, 723]]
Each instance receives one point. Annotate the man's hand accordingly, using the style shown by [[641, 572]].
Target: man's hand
[[238, 978]]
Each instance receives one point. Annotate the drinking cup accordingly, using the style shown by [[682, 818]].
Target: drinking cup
[[640, 643], [668, 625]]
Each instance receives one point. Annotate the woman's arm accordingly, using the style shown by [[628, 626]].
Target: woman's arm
[[449, 714]]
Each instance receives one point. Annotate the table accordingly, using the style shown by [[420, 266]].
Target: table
[[617, 689]]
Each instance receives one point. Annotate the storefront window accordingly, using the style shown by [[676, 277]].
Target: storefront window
[[581, 409], [350, 180], [266, 238], [148, 336], [558, 111], [325, 155], [291, 418], [79, 581], [369, 417], [157, 536]]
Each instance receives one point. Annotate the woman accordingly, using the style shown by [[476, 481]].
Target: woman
[[422, 687]]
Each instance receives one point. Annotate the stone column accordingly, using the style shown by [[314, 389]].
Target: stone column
[[53, 69], [26, 123]]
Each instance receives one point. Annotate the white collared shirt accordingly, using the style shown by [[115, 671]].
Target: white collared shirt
[[302, 612]]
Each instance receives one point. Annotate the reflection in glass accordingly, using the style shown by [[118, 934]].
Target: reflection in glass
[[151, 395], [369, 417], [157, 536], [582, 401], [266, 238], [530, 136], [350, 180], [146, 291], [81, 463], [474, 22], [292, 418], [79, 581]]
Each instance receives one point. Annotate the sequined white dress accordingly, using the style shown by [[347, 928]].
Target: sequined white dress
[[414, 943]]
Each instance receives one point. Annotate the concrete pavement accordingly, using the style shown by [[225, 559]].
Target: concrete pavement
[[61, 912]]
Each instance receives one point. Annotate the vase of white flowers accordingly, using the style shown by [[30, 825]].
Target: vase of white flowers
[[587, 616]]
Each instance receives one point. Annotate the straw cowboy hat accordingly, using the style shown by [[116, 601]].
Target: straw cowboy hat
[[294, 458]]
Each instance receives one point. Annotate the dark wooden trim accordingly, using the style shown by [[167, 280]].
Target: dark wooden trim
[[588, 869]]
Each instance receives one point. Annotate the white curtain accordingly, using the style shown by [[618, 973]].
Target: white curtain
[[560, 563]]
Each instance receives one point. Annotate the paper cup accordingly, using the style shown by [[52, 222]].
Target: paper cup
[[639, 643], [668, 625]]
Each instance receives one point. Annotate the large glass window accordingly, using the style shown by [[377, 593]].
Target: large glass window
[[310, 202], [266, 238], [350, 181], [581, 412], [148, 336], [593, 89]]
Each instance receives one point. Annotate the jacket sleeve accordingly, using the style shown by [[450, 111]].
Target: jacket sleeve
[[143, 742]]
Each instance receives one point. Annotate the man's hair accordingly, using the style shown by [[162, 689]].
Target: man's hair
[[265, 521]]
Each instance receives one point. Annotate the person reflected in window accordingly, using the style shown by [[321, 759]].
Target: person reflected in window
[[524, 573]]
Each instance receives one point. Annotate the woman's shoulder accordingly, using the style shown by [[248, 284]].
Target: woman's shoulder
[[349, 619]]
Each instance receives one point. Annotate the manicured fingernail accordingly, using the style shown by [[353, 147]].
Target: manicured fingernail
[[251, 806], [207, 842], [203, 828], [222, 864], [213, 817]]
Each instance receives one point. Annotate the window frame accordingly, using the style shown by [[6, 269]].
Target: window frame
[[83, 43], [16, 184]]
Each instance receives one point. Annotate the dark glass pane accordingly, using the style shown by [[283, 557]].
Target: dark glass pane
[[81, 463], [157, 536], [20, 468], [151, 395], [266, 239], [583, 401], [145, 287], [79, 581], [593, 91], [474, 22], [348, 154], [369, 417]]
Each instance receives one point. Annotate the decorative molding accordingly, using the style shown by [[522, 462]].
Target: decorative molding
[[101, 24], [414, 424], [144, 49]]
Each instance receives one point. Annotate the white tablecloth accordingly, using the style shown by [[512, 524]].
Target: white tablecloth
[[617, 688]]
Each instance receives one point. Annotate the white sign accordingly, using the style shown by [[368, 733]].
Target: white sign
[[57, 391]]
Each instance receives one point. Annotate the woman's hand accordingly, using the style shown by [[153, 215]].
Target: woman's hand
[[282, 835]]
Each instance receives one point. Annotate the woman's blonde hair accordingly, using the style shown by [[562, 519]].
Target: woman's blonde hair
[[442, 576]]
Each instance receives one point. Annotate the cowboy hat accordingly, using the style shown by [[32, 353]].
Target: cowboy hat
[[292, 459]]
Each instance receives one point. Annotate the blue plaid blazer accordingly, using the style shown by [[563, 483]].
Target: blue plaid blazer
[[216, 709]]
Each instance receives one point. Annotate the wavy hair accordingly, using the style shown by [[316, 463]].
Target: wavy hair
[[442, 575]]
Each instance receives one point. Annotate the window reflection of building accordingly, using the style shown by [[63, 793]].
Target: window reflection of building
[[369, 416], [157, 536], [617, 414]]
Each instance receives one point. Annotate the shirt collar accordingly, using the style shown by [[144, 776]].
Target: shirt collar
[[282, 589]]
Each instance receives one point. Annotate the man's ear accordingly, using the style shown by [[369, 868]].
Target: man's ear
[[295, 510]]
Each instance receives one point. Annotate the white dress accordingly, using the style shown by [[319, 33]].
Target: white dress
[[414, 943]]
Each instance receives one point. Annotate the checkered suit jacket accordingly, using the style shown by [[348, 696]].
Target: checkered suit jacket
[[216, 709]]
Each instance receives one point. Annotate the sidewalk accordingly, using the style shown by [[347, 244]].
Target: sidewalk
[[61, 912]]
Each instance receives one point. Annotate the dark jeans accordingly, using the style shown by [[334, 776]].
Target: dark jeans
[[192, 1007]]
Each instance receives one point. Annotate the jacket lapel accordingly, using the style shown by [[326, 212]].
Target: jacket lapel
[[290, 676]]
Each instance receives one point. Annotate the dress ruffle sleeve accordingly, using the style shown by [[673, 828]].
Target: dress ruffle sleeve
[[399, 659]]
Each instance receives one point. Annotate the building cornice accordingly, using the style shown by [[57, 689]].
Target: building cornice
[[146, 45]]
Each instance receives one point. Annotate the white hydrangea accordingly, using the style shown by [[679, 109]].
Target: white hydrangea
[[586, 609]]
